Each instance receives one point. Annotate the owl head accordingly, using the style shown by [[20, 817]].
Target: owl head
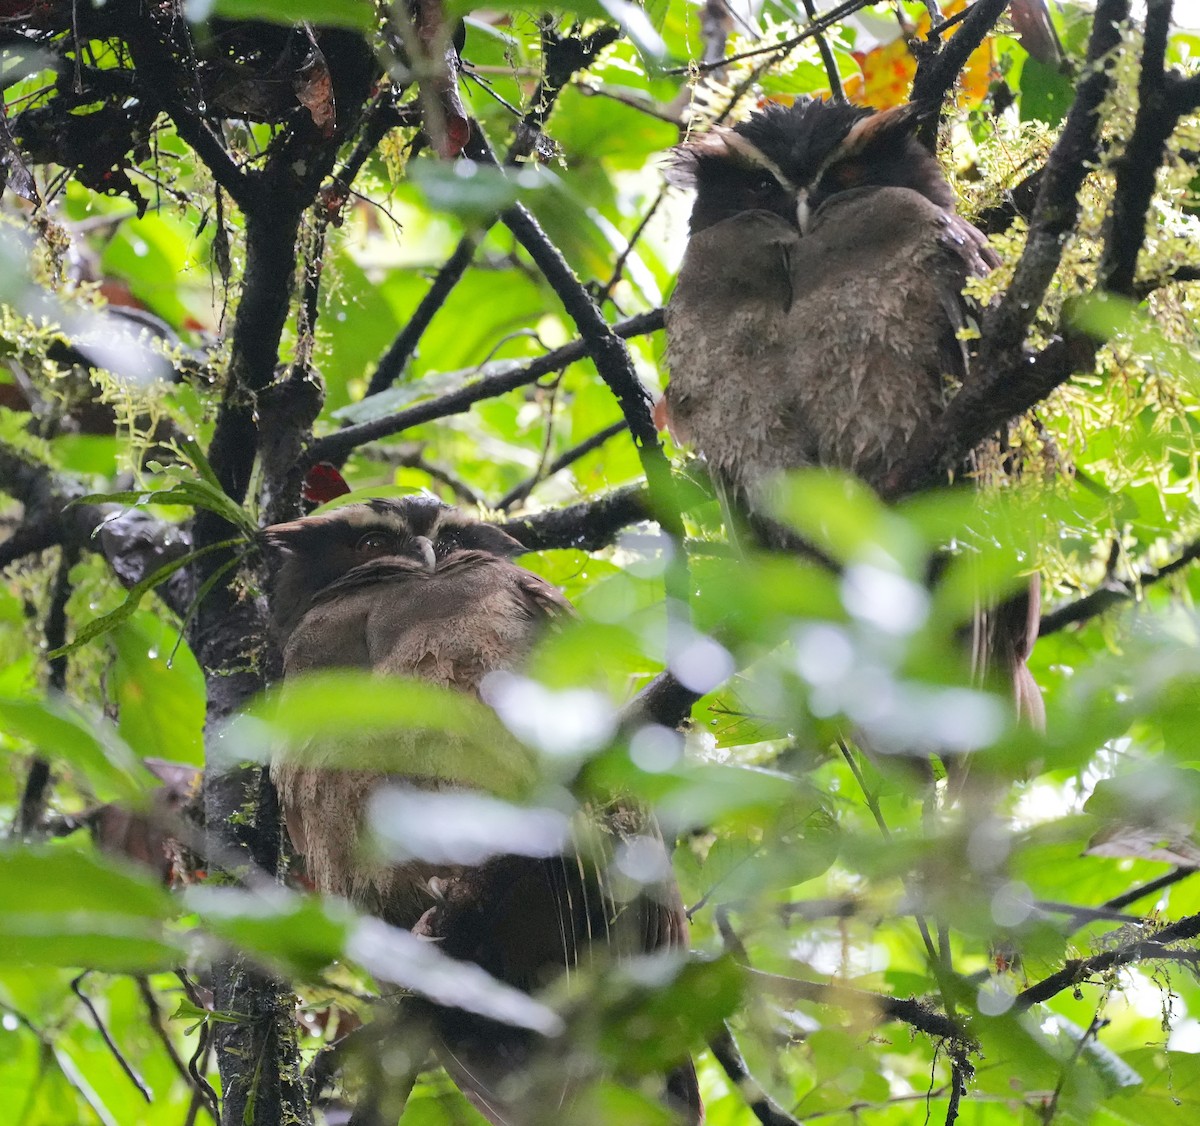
[[419, 532], [789, 159]]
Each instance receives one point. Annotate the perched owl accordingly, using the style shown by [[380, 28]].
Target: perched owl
[[817, 316], [412, 588]]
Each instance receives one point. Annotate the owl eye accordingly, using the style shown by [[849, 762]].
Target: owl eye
[[376, 542], [844, 176]]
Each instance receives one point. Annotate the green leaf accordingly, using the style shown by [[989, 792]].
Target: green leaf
[[185, 493], [1046, 93], [62, 733], [159, 690], [657, 1009], [306, 935], [477, 193], [68, 908], [841, 516], [358, 720], [89, 631], [357, 15]]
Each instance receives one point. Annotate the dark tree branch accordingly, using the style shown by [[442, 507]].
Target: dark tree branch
[[916, 1014], [1007, 382], [132, 542], [563, 57], [400, 351], [30, 537], [157, 1025], [725, 1051], [37, 781], [827, 59], [959, 1070], [98, 1021], [943, 59], [616, 369], [1181, 275], [1078, 970], [588, 526], [1018, 201], [333, 447], [1134, 894], [1139, 164], [1114, 592], [663, 701], [567, 457]]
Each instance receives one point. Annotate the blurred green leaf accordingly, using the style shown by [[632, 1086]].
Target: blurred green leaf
[[359, 15], [305, 936], [67, 908], [359, 720], [476, 193], [56, 729], [842, 517]]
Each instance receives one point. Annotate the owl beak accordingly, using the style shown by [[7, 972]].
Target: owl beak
[[803, 213], [425, 550]]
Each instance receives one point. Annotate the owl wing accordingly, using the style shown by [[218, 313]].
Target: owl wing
[[543, 603], [496, 916]]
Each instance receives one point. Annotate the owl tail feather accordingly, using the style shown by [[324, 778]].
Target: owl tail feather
[[1004, 636]]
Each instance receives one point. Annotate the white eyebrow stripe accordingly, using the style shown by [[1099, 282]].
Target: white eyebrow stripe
[[756, 156]]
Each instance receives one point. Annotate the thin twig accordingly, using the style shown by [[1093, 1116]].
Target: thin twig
[[110, 1043], [725, 1051], [567, 457], [1134, 894], [783, 47], [1091, 1032], [157, 1024], [1113, 593], [333, 447], [392, 363], [836, 92], [1008, 383], [619, 268], [872, 801], [914, 1013]]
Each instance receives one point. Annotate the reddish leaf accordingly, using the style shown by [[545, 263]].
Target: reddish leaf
[[323, 483]]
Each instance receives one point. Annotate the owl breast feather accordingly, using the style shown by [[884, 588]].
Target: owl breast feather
[[827, 349]]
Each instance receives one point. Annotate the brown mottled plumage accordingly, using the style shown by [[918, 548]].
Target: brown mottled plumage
[[412, 588], [816, 319]]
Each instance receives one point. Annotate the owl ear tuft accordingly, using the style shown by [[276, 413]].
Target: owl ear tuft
[[280, 539], [683, 161], [489, 537], [888, 126]]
